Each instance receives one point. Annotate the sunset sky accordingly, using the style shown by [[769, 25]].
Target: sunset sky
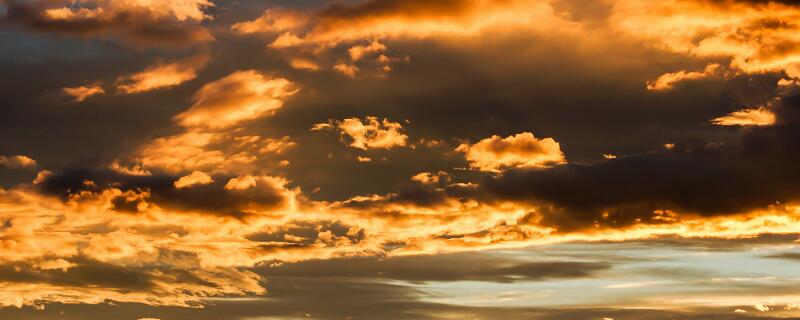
[[399, 159]]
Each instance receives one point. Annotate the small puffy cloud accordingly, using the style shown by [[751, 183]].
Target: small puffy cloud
[[522, 150], [369, 133], [241, 183], [240, 96], [358, 52], [196, 178], [747, 117], [162, 75], [17, 162], [81, 93], [430, 178], [303, 64], [668, 80], [346, 69]]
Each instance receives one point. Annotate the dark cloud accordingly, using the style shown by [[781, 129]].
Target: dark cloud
[[443, 268], [211, 198], [694, 177]]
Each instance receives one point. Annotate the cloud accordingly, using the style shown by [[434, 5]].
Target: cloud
[[81, 93], [17, 162], [439, 268], [522, 150], [369, 133], [141, 22], [358, 52], [162, 75], [376, 19], [240, 96], [272, 20], [747, 117], [668, 80], [196, 178], [756, 36]]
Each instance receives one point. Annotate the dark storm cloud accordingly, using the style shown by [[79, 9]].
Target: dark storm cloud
[[695, 177], [211, 198], [442, 268], [85, 272]]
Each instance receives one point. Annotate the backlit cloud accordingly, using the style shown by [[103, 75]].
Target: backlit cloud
[[747, 117], [81, 93], [370, 133], [240, 96], [521, 150], [162, 75]]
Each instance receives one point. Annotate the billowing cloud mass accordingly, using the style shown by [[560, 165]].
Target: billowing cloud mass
[[668, 80], [147, 22], [162, 75], [370, 133], [399, 159], [521, 150]]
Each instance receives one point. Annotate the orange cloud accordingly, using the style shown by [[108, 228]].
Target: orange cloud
[[747, 117], [522, 150], [272, 20], [180, 10], [668, 80], [241, 96], [162, 75], [367, 134], [196, 178], [757, 36], [17, 162], [81, 93]]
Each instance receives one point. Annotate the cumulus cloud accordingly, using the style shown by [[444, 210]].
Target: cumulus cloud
[[162, 75], [196, 178], [521, 150], [240, 96], [369, 133]]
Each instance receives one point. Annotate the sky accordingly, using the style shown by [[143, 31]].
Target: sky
[[399, 159]]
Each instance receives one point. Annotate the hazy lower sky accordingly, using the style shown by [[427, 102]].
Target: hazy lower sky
[[399, 159]]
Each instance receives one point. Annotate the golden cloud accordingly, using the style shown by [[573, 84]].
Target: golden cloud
[[756, 36], [17, 162], [81, 93], [668, 80], [370, 133], [196, 178], [522, 150], [162, 75], [240, 96], [747, 117]]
